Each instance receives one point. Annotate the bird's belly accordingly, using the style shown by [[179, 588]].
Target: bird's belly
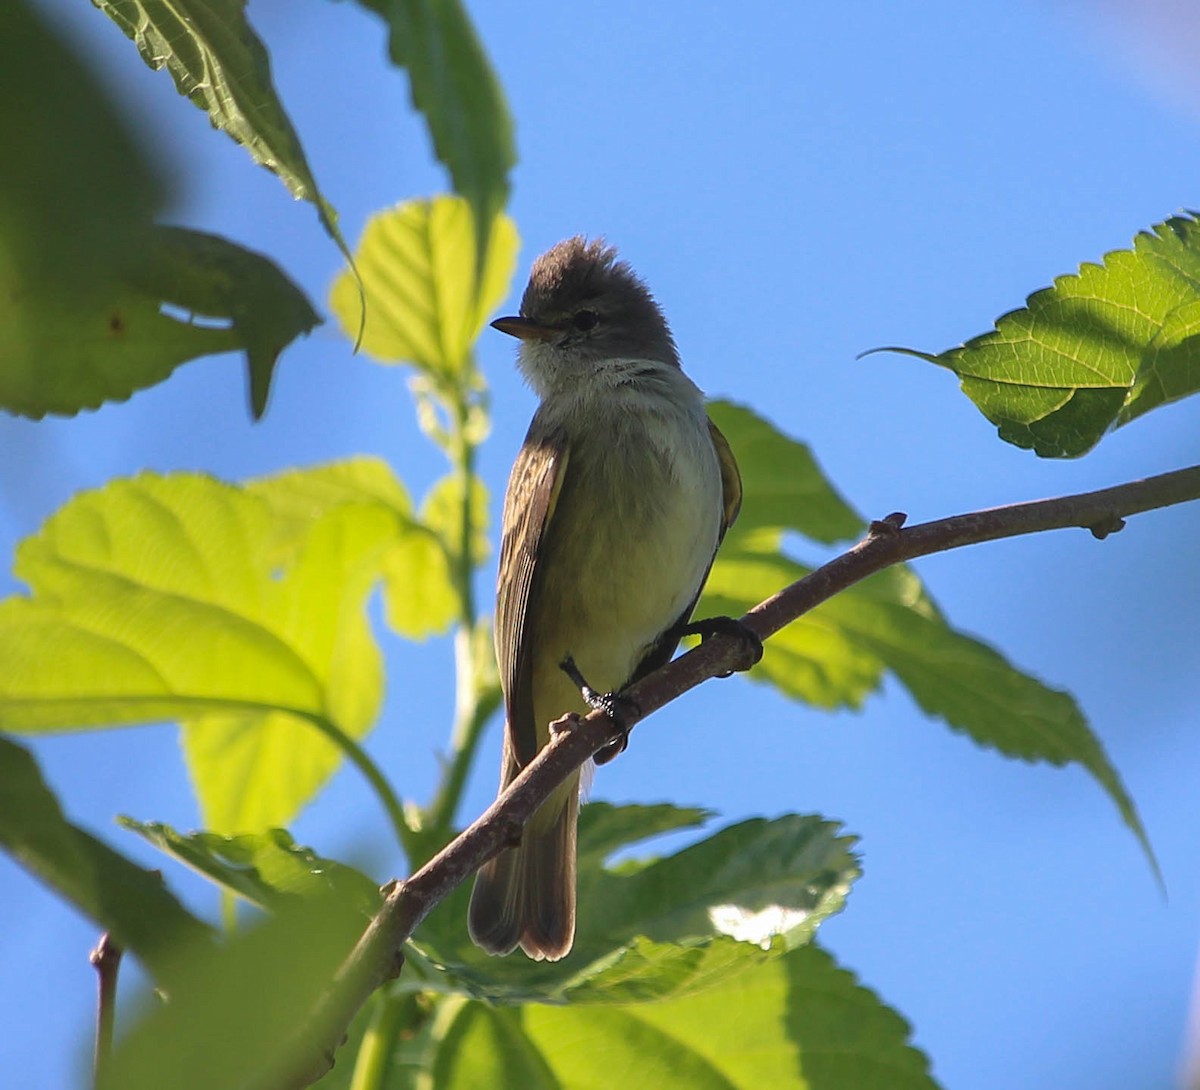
[[629, 555]]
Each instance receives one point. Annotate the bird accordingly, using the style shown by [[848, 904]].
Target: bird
[[616, 505]]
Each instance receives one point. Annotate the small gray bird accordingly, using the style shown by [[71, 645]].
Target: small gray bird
[[615, 508]]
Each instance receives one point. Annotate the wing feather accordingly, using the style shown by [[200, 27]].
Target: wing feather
[[533, 489]]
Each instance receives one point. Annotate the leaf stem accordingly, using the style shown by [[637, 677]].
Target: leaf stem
[[406, 835]]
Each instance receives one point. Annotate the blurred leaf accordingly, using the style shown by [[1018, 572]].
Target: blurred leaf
[[419, 592], [783, 487], [76, 180], [442, 512], [268, 869], [425, 305], [118, 896], [454, 86], [207, 275], [793, 1021], [60, 353], [218, 62], [158, 598], [1096, 350], [658, 927], [236, 1016]]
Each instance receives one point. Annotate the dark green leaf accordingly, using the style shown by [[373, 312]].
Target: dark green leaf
[[454, 86], [62, 352], [656, 928], [209, 276], [120, 897], [217, 61], [605, 828], [268, 869], [837, 654], [1096, 350]]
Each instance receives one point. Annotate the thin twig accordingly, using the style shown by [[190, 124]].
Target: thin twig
[[377, 956], [106, 957]]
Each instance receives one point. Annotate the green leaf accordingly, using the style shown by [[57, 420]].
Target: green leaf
[[794, 1021], [268, 869], [425, 304], [605, 828], [217, 61], [973, 688], [235, 1017], [1098, 349], [657, 927], [454, 86], [783, 487], [209, 276], [419, 592], [158, 598], [837, 654], [112, 336], [120, 897]]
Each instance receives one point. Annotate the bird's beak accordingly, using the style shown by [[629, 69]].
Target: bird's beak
[[525, 329]]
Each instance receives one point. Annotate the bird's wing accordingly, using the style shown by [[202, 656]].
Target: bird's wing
[[731, 478], [533, 490]]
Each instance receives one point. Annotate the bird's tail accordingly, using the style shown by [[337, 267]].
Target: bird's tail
[[526, 895]]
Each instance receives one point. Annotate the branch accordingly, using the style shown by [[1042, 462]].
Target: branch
[[106, 958], [377, 957]]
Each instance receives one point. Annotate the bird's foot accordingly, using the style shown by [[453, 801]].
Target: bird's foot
[[750, 646], [617, 707]]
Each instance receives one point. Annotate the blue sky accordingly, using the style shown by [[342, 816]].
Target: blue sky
[[797, 184]]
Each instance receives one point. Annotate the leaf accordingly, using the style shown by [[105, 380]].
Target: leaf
[[235, 1016], [454, 86], [442, 511], [661, 926], [837, 654], [794, 1021], [208, 275], [118, 896], [120, 333], [783, 487], [268, 869], [77, 178], [157, 597], [973, 688], [419, 591], [1095, 351], [604, 828], [425, 305], [217, 61]]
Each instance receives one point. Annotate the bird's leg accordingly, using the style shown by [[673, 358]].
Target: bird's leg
[[751, 647], [614, 705]]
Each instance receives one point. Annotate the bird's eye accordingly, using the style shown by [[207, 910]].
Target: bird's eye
[[585, 320]]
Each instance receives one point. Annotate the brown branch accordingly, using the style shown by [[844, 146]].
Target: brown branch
[[106, 958], [377, 957]]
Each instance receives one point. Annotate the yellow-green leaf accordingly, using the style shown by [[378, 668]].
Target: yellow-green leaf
[[425, 303], [419, 592], [158, 597]]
